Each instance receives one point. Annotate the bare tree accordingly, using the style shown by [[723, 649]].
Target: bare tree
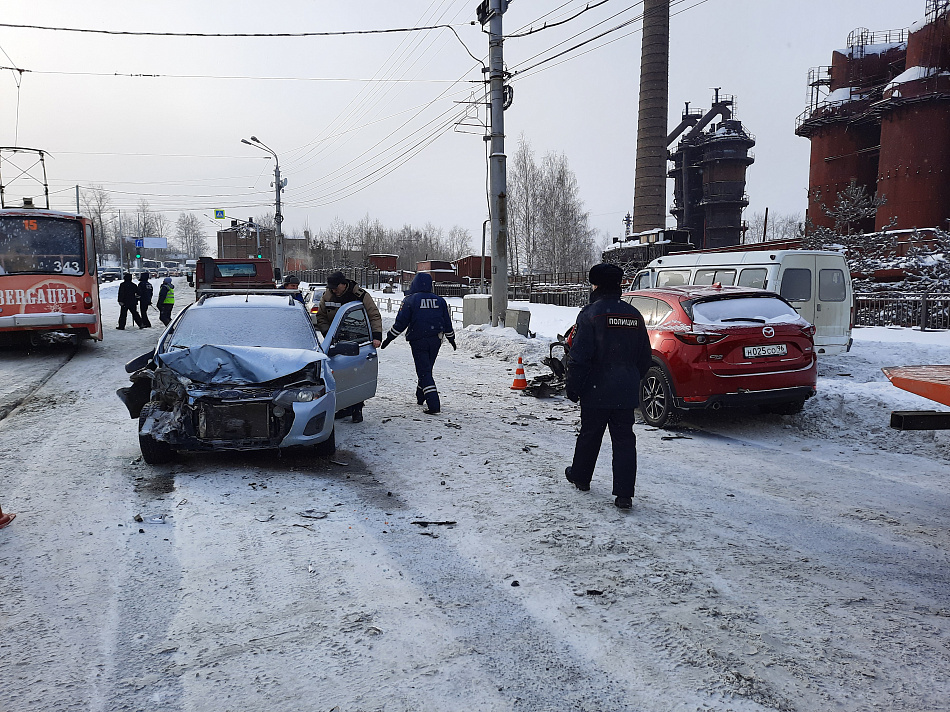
[[190, 236], [97, 207], [458, 242], [781, 226]]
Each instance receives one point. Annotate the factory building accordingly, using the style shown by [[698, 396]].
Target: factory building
[[879, 116]]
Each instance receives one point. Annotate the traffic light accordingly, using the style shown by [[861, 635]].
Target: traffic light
[[258, 257], [138, 257]]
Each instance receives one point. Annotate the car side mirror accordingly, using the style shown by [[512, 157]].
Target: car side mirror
[[344, 348], [138, 363]]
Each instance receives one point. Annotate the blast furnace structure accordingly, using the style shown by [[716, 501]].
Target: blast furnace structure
[[879, 116]]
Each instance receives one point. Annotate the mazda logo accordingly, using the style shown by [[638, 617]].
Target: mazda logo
[[768, 332]]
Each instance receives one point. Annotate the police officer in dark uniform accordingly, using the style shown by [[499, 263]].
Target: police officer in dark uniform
[[427, 317], [609, 354]]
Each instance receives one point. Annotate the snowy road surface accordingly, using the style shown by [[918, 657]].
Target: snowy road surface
[[769, 563]]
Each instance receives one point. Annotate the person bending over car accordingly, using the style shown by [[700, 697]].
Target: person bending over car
[[610, 352], [426, 316], [340, 291]]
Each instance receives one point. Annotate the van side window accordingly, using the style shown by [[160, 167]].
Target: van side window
[[642, 281], [672, 278], [796, 285], [753, 278], [831, 285], [712, 276]]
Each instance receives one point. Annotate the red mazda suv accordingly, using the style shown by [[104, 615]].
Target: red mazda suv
[[719, 346]]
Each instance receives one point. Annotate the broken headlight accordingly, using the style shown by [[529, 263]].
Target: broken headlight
[[305, 394]]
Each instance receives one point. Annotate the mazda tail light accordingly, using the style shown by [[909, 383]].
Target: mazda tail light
[[809, 330], [698, 338]]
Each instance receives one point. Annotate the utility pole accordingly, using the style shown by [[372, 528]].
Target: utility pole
[[77, 201], [491, 11], [278, 219]]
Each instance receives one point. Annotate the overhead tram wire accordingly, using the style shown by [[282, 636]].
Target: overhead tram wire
[[547, 14]]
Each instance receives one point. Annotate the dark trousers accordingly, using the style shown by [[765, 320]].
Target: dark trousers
[[165, 313], [424, 353], [593, 423], [144, 315], [127, 310]]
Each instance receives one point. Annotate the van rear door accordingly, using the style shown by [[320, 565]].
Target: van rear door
[[797, 283], [833, 304]]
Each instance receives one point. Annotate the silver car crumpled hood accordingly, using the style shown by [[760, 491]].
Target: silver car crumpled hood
[[237, 365]]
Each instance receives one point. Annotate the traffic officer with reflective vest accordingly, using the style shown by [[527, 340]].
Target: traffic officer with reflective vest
[[426, 316], [609, 354], [166, 300]]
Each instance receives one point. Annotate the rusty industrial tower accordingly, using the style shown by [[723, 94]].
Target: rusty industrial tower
[[879, 116], [709, 170]]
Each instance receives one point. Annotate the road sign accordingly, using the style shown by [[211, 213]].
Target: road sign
[[219, 215], [155, 243], [140, 243]]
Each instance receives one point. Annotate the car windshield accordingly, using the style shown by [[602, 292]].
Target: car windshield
[[244, 326], [738, 310]]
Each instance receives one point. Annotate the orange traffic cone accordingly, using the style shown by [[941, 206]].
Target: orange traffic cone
[[5, 518], [520, 381]]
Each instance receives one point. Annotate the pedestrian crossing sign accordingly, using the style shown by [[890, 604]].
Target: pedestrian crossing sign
[[219, 215]]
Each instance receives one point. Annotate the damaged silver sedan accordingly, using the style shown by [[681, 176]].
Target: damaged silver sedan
[[248, 372]]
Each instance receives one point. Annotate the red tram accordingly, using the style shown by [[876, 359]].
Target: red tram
[[48, 273]]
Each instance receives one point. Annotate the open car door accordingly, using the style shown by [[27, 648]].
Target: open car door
[[355, 376]]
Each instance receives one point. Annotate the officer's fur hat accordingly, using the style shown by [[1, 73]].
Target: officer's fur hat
[[605, 275]]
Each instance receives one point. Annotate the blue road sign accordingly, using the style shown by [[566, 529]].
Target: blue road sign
[[219, 215], [140, 243]]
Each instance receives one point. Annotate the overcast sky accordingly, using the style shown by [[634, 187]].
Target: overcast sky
[[348, 146]]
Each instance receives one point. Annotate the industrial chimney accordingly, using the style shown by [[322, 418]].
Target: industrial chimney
[[649, 195]]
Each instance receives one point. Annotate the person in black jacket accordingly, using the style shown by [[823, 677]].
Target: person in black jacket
[[128, 299], [145, 299], [609, 354], [426, 315]]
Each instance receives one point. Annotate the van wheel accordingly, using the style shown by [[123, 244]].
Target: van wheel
[[790, 408], [656, 399], [154, 451], [328, 446]]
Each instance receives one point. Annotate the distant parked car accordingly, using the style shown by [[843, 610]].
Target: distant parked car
[[109, 274], [249, 372], [161, 272], [723, 346]]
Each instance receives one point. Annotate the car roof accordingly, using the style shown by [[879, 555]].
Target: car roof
[[259, 301], [700, 291]]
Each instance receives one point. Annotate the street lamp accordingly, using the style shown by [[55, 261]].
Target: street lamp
[[278, 187]]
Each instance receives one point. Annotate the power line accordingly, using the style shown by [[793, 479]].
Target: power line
[[140, 75], [557, 24], [616, 39], [133, 33]]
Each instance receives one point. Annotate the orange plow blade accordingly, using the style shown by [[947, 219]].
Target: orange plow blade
[[931, 382]]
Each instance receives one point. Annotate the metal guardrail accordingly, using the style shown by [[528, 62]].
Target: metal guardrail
[[928, 311]]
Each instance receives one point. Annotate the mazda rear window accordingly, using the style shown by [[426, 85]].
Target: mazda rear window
[[739, 310]]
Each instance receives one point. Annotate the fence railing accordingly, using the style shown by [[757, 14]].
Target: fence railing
[[930, 311]]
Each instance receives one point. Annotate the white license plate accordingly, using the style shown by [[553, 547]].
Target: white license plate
[[769, 350]]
